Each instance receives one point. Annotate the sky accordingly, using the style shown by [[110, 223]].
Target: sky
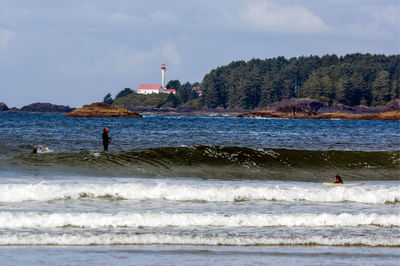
[[74, 52]]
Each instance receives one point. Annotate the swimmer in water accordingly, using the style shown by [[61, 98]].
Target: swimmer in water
[[35, 149], [40, 149]]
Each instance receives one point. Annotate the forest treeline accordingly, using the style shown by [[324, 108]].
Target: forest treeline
[[354, 79]]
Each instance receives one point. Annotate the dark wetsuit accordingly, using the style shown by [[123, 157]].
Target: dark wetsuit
[[106, 140]]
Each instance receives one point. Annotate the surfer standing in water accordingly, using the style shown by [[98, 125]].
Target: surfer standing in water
[[338, 180], [106, 139]]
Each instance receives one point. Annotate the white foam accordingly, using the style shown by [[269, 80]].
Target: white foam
[[167, 239], [209, 193], [15, 220]]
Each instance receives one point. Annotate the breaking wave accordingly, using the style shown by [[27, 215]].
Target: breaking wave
[[34, 220], [216, 162], [190, 192], [84, 239]]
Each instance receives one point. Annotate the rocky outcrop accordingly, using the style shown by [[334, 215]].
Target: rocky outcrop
[[45, 108], [296, 106], [393, 105], [3, 107], [389, 115], [102, 110], [313, 107]]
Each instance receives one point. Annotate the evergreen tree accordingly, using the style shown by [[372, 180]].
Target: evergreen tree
[[108, 99], [172, 99], [381, 88], [252, 90], [395, 92], [351, 80], [124, 92], [193, 95], [174, 84], [184, 92]]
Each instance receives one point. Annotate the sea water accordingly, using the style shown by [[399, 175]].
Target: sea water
[[194, 190]]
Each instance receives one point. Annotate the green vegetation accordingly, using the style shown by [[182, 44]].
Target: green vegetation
[[186, 95], [108, 99], [147, 100], [354, 79], [124, 92]]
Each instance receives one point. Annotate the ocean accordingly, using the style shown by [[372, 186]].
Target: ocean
[[195, 190]]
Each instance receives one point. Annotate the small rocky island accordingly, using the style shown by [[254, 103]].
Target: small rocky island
[[102, 110], [36, 108]]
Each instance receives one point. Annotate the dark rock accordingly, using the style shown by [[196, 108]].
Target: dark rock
[[393, 105], [13, 110], [390, 115], [312, 107], [294, 106], [3, 107], [45, 108]]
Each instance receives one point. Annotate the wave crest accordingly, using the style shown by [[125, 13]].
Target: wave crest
[[219, 162]]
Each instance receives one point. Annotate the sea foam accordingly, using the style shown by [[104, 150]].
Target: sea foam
[[209, 193], [34, 220], [168, 239]]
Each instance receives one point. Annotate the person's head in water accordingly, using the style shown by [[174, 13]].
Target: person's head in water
[[105, 130], [35, 149], [338, 179]]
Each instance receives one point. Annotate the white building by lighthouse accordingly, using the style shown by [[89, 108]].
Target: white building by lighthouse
[[156, 88]]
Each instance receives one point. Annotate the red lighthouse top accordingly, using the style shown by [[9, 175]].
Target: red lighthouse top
[[163, 67]]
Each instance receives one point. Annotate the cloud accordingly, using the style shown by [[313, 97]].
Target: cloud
[[388, 15], [377, 22], [121, 62], [170, 53], [268, 16], [5, 37]]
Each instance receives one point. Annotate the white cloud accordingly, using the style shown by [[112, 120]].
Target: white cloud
[[377, 22], [268, 16], [141, 61], [5, 37], [121, 62], [170, 53]]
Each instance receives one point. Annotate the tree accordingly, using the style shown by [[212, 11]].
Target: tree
[[184, 92], [108, 99], [344, 91], [381, 88], [351, 80], [124, 92], [396, 87], [252, 91], [172, 99], [174, 84], [193, 95]]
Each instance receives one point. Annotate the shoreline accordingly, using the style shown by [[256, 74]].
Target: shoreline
[[387, 115]]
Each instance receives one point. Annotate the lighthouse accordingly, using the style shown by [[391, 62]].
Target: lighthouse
[[163, 69], [156, 88]]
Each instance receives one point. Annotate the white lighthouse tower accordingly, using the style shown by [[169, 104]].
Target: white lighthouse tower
[[156, 88], [163, 69]]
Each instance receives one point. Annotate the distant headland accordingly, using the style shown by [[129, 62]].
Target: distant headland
[[354, 84]]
